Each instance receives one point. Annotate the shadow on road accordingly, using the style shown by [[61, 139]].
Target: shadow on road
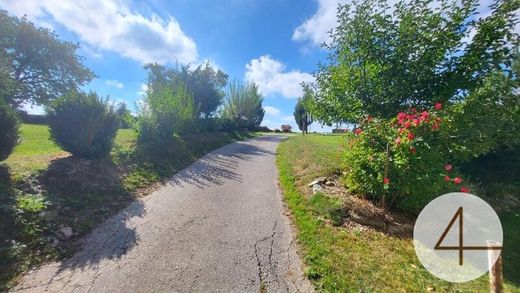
[[114, 238], [215, 168]]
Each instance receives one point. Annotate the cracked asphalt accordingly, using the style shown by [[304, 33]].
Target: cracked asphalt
[[217, 226]]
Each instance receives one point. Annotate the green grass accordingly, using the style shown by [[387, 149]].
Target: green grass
[[80, 193], [342, 260], [36, 150]]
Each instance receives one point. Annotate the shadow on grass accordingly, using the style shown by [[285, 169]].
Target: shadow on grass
[[84, 193]]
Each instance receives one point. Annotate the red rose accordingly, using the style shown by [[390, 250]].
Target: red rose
[[438, 106], [407, 124], [464, 189], [358, 131], [435, 126], [448, 167], [410, 136], [457, 180], [386, 181], [447, 178]]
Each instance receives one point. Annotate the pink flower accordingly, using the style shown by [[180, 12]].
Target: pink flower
[[425, 114], [410, 136], [398, 141], [457, 180], [465, 190], [407, 124], [447, 178], [448, 167], [386, 181], [438, 106], [358, 131]]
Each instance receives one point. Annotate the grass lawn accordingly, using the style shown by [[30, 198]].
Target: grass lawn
[[339, 259], [36, 150], [80, 193]]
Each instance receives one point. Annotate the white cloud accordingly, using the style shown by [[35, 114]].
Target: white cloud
[[33, 109], [113, 26], [272, 110], [316, 28], [142, 89], [114, 83], [271, 79]]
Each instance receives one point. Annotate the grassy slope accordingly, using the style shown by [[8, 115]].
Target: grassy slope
[[341, 260], [82, 193]]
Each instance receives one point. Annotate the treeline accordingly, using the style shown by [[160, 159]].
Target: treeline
[[36, 67], [180, 100]]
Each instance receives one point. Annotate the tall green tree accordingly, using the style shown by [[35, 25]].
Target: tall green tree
[[35, 65], [205, 84], [243, 105], [168, 108], [302, 116], [385, 59]]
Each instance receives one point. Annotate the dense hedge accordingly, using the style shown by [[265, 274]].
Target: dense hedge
[[8, 130], [83, 124]]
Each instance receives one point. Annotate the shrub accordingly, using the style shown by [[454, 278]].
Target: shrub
[[83, 124], [418, 154], [8, 130], [242, 108], [168, 109]]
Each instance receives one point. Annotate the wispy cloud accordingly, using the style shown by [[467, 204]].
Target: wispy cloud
[[272, 110], [114, 83]]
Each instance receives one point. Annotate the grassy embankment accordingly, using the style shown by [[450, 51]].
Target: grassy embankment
[[340, 259], [80, 193]]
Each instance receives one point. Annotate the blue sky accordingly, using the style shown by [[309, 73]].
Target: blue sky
[[275, 44]]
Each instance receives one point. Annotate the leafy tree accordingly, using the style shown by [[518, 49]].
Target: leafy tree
[[386, 59], [40, 67], [243, 106], [489, 118], [124, 116], [204, 83], [82, 124], [8, 130], [168, 109], [302, 115]]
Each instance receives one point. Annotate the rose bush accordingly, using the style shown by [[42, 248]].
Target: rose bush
[[414, 148]]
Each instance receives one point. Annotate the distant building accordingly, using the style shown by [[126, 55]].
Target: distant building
[[339, 130], [286, 128]]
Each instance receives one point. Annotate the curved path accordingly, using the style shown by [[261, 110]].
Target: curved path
[[217, 226]]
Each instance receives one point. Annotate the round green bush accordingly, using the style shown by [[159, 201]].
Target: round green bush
[[8, 130], [83, 124]]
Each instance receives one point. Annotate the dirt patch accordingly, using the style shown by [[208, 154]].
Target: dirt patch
[[362, 214]]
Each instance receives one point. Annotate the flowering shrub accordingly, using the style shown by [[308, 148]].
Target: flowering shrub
[[413, 147]]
